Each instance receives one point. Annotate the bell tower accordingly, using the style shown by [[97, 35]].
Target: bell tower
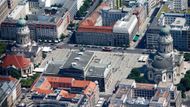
[[22, 34], [165, 41]]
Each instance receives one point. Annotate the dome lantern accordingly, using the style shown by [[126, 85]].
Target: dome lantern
[[165, 30], [21, 22]]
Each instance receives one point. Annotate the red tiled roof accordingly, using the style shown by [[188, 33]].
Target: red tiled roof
[[66, 94], [80, 83], [88, 25], [47, 85], [102, 29], [42, 91], [90, 89], [91, 20], [59, 79], [16, 60]]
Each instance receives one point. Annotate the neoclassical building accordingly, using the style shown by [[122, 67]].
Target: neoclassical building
[[166, 63], [24, 44]]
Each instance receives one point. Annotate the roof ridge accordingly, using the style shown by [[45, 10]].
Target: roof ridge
[[17, 61]]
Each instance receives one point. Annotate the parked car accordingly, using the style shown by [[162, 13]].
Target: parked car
[[108, 49]]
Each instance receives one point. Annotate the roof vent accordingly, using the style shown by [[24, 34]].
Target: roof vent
[[96, 82], [73, 64], [80, 53], [91, 70], [77, 58]]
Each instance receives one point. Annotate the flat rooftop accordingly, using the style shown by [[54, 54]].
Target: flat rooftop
[[166, 9], [78, 60], [97, 70], [179, 22]]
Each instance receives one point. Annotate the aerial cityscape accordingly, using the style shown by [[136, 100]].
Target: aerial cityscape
[[94, 53]]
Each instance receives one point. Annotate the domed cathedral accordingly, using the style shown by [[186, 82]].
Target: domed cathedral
[[165, 63], [24, 44], [22, 34]]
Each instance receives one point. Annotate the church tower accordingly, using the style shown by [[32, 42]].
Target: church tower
[[165, 41], [22, 34], [165, 63]]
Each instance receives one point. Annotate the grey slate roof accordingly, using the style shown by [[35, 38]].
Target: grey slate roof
[[53, 67], [78, 60], [96, 71], [162, 63]]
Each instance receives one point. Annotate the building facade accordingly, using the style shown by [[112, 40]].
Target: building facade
[[10, 89], [42, 25], [12, 4], [180, 5], [110, 16], [179, 32], [65, 92], [4, 10], [132, 94], [119, 34]]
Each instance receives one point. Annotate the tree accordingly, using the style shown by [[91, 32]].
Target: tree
[[62, 36], [2, 48], [29, 81], [187, 56], [14, 73], [135, 74], [184, 84]]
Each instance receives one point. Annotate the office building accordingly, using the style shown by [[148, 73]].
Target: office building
[[179, 32], [110, 16], [62, 91], [90, 32], [82, 66], [179, 5], [165, 63], [10, 90], [12, 4], [132, 94], [101, 74], [3, 10], [117, 4], [76, 65], [148, 5], [33, 4], [45, 23]]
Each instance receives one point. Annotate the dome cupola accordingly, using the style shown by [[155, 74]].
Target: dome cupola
[[21, 22]]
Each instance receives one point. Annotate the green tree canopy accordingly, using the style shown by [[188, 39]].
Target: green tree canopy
[[135, 74]]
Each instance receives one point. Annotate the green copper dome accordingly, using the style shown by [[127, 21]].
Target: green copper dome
[[21, 22], [165, 30]]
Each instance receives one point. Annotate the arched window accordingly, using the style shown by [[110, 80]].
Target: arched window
[[170, 76]]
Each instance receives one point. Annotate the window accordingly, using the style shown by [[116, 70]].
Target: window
[[170, 76], [150, 75]]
